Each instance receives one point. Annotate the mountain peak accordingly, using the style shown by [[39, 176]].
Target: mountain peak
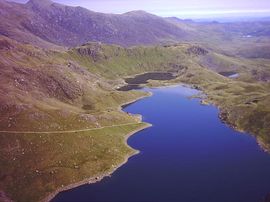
[[40, 3], [137, 13]]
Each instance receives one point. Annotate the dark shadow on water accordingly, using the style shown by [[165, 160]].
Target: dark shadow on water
[[134, 83]]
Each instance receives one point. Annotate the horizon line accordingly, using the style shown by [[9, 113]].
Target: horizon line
[[186, 13]]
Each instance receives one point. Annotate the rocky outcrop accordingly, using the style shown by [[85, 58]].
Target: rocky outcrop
[[196, 50]]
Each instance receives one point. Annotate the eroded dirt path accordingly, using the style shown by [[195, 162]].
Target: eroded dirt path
[[68, 131]]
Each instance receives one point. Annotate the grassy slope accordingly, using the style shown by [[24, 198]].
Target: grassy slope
[[40, 92], [83, 80], [36, 165], [243, 102]]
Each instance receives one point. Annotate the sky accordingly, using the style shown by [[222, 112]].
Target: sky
[[177, 8]]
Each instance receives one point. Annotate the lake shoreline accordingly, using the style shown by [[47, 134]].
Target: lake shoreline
[[95, 179], [148, 147], [223, 118], [98, 178]]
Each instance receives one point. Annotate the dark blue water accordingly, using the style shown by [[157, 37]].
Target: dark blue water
[[187, 156]]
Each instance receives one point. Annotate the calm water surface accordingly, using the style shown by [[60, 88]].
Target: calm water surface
[[187, 156]]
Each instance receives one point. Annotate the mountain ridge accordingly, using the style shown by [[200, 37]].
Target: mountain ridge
[[62, 25], [47, 87]]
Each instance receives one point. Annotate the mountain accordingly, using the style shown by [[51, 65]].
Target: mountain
[[51, 25], [61, 122], [249, 39], [68, 98], [49, 22]]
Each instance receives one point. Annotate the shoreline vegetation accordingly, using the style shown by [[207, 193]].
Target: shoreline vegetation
[[61, 75], [100, 177], [203, 100], [85, 79]]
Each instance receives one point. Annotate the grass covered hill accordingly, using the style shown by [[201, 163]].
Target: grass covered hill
[[62, 109], [60, 117]]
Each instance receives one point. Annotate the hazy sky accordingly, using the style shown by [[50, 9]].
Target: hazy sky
[[179, 8]]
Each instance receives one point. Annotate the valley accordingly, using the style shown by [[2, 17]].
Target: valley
[[62, 87], [198, 152]]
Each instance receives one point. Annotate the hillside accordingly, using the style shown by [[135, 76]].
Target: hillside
[[60, 67], [48, 22], [52, 25], [68, 97], [244, 39]]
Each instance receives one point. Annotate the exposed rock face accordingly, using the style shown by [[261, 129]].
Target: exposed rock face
[[94, 51], [54, 85], [37, 88], [196, 50], [71, 26], [5, 45]]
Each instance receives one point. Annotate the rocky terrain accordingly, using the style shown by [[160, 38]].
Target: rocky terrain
[[49, 22], [61, 121], [52, 25]]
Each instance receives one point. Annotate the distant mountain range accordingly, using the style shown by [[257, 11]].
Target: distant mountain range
[[49, 22], [60, 121], [51, 25]]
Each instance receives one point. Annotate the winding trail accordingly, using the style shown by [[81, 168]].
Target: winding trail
[[68, 131]]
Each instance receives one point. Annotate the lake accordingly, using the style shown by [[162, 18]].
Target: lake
[[135, 82], [188, 155]]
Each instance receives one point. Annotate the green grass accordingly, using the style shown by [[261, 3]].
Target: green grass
[[35, 165], [84, 96]]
